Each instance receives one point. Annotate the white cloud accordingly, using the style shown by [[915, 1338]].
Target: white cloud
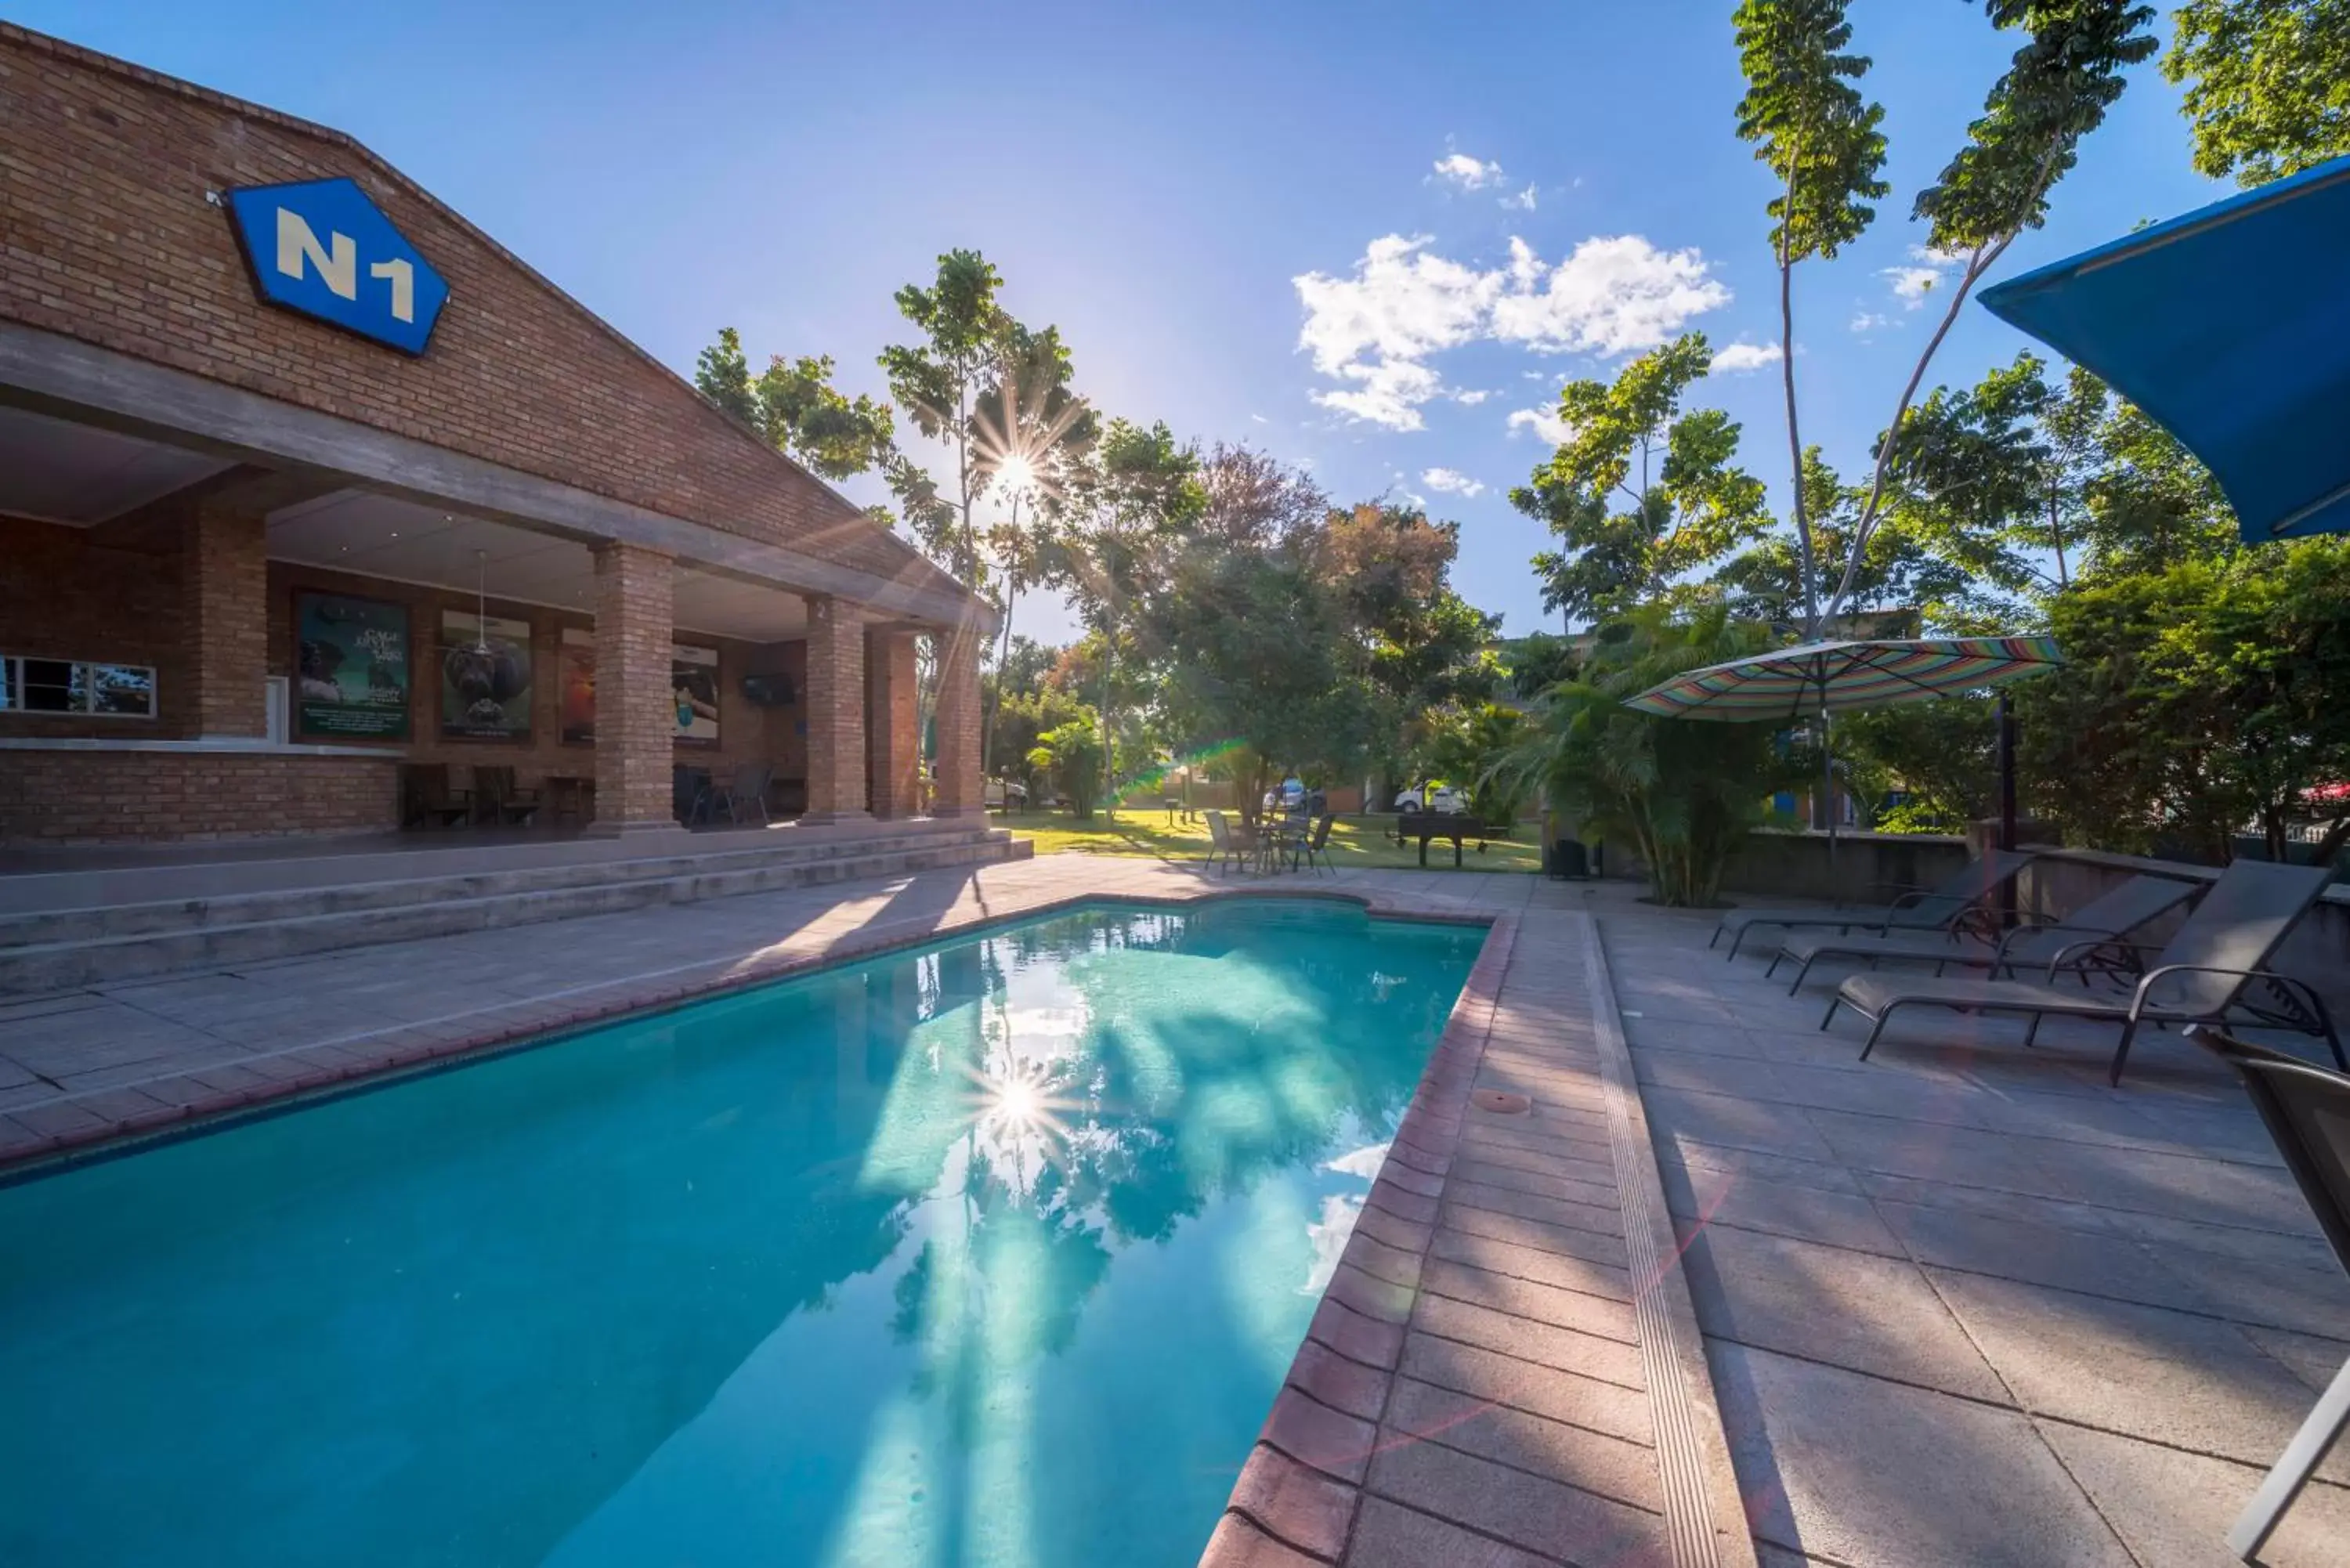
[[1523, 202], [1911, 284], [1469, 173], [1260, 418], [1452, 482], [1613, 294], [1870, 320], [1740, 358], [1544, 422], [1474, 397]]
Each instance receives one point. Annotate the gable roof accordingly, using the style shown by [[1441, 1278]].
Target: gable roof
[[116, 240]]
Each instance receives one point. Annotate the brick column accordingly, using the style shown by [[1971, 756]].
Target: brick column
[[636, 716], [958, 792], [224, 620], [835, 713], [893, 725]]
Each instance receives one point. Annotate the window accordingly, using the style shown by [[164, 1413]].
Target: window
[[74, 686]]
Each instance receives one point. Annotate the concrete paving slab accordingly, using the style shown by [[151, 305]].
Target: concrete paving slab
[[1865, 1313], [2174, 1508], [1751, 1203], [2169, 1378], [1869, 1474], [2099, 1265]]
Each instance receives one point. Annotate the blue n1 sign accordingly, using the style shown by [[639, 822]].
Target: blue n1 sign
[[322, 248]]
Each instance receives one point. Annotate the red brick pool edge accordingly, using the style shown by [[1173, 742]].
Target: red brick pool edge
[[1506, 1367]]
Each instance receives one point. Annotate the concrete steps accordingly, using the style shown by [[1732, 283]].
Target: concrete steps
[[87, 944]]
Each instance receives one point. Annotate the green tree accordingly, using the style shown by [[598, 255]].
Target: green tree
[[1684, 793], [2057, 89], [2268, 84], [1257, 650], [792, 404], [1688, 500], [1071, 754], [937, 380], [1029, 429], [1116, 506], [2201, 695], [1943, 755], [1471, 749], [1810, 126]]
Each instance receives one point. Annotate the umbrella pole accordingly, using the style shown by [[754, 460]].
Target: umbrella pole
[[2007, 801], [1828, 774]]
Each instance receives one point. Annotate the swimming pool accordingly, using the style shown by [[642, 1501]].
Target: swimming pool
[[988, 1254]]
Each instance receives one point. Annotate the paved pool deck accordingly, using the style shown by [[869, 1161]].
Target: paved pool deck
[[1656, 1272]]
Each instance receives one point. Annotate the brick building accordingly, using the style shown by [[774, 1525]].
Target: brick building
[[303, 478]]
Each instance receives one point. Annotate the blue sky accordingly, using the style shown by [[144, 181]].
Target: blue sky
[[1156, 180]]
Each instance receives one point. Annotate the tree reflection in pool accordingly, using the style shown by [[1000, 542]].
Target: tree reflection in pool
[[990, 1254]]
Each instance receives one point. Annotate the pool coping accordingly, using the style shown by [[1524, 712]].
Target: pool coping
[[322, 1071]]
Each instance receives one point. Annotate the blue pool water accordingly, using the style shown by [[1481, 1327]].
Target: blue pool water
[[992, 1254]]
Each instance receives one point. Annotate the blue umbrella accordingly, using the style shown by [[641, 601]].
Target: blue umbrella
[[2232, 327]]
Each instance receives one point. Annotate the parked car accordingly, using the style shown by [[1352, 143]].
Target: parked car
[[1287, 796], [1441, 798], [1004, 794]]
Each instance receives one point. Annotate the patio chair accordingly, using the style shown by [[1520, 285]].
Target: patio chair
[[2199, 976], [499, 801], [689, 794], [747, 792], [1936, 909], [2307, 1112], [426, 799], [1315, 850], [2083, 940], [1228, 843]]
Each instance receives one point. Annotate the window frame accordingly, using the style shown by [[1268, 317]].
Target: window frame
[[83, 674]]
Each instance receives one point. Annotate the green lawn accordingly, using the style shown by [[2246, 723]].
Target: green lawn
[[1354, 840]]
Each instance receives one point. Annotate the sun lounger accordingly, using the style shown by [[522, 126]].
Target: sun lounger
[[1931, 909], [2199, 976], [2083, 939]]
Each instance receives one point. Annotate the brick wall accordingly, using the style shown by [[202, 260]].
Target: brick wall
[[836, 709], [959, 782], [110, 239], [63, 595], [85, 797], [223, 574], [634, 723], [892, 725]]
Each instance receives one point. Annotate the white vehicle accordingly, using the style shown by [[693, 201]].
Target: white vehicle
[[1004, 794], [1441, 798]]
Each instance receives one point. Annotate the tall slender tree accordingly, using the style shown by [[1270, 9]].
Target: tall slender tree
[[2057, 89], [1811, 126], [937, 380]]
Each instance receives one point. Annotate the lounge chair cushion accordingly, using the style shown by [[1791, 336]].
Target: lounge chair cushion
[[1923, 945], [1859, 920], [1872, 994]]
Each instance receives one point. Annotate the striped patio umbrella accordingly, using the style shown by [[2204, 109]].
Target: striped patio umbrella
[[1818, 678], [1815, 677]]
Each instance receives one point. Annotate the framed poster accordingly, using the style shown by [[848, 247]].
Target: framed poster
[[350, 668], [486, 685], [574, 685], [693, 683]]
